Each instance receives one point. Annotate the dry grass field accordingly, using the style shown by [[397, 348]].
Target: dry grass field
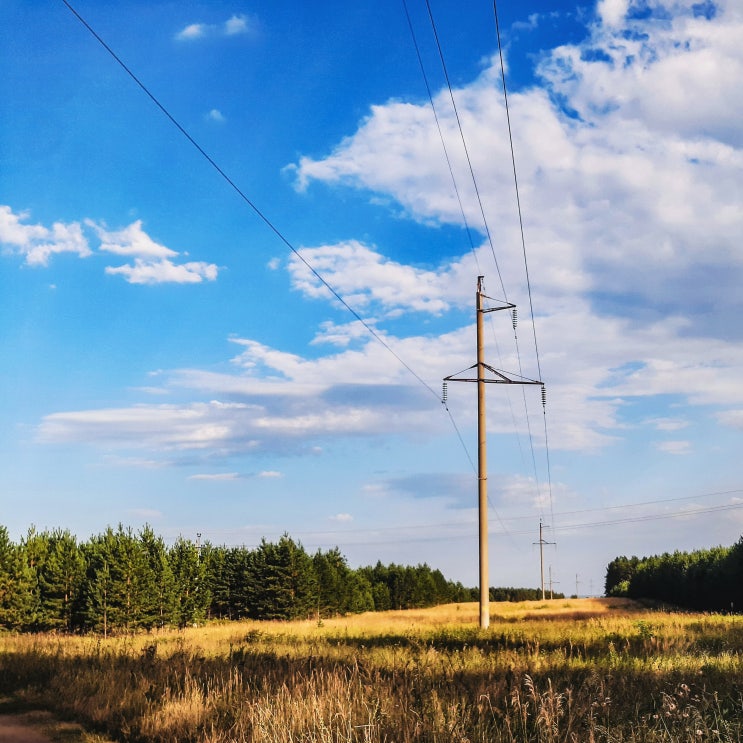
[[563, 670]]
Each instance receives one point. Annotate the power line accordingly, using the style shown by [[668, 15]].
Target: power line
[[487, 229], [523, 245], [461, 207], [415, 536], [464, 145], [441, 135], [332, 533]]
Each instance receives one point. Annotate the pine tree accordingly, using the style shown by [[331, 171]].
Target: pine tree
[[158, 599], [281, 581], [191, 591], [59, 567], [117, 582], [332, 572], [18, 599]]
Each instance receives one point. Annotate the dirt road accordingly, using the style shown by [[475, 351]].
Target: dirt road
[[20, 729]]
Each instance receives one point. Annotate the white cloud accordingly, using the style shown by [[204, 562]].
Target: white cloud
[[363, 276], [38, 243], [731, 418], [270, 474], [165, 271], [131, 241], [236, 25], [612, 12], [667, 424], [342, 517], [217, 477], [153, 262], [216, 115], [619, 200], [192, 31], [674, 447]]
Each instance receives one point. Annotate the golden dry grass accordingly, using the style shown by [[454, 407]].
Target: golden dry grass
[[567, 670]]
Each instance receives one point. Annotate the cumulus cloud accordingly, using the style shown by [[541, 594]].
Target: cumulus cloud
[[674, 447], [165, 271], [627, 194], [36, 243], [153, 262], [731, 418], [362, 276], [217, 477], [192, 31], [131, 241], [236, 25], [668, 424]]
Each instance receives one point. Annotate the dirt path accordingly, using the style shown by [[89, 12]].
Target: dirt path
[[37, 726], [20, 729]]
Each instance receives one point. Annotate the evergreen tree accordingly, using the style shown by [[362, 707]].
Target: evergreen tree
[[281, 581], [118, 584], [217, 581], [158, 599], [332, 573], [191, 590], [59, 566], [239, 576], [360, 596], [18, 600]]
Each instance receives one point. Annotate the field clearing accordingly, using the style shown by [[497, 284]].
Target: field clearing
[[562, 670]]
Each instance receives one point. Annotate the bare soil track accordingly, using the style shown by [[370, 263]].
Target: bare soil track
[[21, 729], [38, 726]]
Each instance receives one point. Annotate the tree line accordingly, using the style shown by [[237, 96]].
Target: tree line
[[704, 580], [120, 580]]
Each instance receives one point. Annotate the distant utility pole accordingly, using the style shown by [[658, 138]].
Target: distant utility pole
[[576, 585], [198, 545], [482, 477], [541, 544], [551, 582]]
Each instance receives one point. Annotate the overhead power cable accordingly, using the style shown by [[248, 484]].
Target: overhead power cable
[[249, 201], [441, 136], [465, 525], [477, 192], [416, 536], [464, 145], [523, 246]]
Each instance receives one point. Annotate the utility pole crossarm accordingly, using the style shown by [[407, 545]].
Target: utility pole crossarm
[[501, 377]]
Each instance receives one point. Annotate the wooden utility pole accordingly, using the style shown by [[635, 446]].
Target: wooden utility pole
[[541, 544], [482, 467], [551, 582]]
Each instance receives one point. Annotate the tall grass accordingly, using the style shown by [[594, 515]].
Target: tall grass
[[553, 671]]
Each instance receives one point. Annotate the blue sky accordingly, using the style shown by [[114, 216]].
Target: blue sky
[[168, 359]]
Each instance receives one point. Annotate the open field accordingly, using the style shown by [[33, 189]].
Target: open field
[[565, 670]]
